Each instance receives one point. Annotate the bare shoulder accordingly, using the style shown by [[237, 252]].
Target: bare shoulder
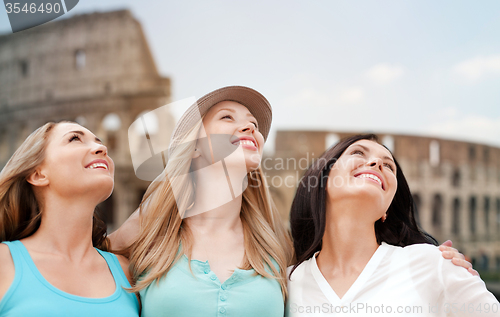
[[124, 263], [6, 263], [7, 271]]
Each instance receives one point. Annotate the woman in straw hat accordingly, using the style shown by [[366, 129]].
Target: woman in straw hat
[[209, 240], [359, 250], [49, 261]]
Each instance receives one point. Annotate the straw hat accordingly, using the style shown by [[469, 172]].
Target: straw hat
[[253, 100]]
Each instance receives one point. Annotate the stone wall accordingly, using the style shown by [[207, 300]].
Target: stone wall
[[95, 69]]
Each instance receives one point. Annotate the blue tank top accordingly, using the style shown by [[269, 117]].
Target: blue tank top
[[30, 294]]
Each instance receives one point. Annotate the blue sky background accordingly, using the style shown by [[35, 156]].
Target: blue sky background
[[418, 67]]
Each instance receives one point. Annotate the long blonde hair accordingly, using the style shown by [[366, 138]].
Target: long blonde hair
[[20, 213], [157, 248]]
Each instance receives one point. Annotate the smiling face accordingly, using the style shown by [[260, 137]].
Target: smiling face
[[365, 171], [237, 127], [76, 163]]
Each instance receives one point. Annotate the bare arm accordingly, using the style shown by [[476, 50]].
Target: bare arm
[[7, 271], [128, 232]]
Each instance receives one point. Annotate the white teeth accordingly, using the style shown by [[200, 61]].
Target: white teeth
[[97, 165], [247, 142], [372, 177]]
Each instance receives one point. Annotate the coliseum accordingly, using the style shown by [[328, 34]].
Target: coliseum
[[95, 69]]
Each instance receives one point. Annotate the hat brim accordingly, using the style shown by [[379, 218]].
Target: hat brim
[[256, 103]]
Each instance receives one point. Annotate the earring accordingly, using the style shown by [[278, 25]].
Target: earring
[[384, 217]]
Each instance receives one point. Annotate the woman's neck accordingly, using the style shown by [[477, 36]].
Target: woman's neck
[[223, 218], [217, 199], [66, 226], [348, 242]]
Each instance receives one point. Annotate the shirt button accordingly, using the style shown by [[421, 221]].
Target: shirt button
[[222, 310], [223, 287], [213, 277], [207, 271], [223, 298]]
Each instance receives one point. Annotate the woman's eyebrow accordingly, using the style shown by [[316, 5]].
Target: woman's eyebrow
[[368, 150], [82, 134], [231, 110]]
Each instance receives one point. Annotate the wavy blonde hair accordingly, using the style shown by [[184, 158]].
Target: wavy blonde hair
[[20, 212], [161, 235]]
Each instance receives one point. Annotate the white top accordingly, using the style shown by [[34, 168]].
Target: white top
[[411, 281]]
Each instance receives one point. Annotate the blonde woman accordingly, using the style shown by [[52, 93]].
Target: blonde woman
[[206, 245], [49, 261]]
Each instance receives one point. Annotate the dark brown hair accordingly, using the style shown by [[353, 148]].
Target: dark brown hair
[[308, 218]]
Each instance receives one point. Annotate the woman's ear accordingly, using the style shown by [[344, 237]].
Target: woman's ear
[[196, 153], [38, 178]]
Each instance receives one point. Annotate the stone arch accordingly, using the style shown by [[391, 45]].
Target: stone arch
[[437, 211], [456, 178], [486, 209], [109, 135], [472, 214], [434, 153], [455, 229], [109, 127], [80, 59]]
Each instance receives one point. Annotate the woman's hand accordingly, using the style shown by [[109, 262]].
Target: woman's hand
[[456, 257]]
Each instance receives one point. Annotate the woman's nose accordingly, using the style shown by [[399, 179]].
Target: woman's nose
[[375, 162], [100, 149], [249, 127]]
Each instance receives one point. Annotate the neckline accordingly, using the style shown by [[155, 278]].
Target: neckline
[[203, 268], [41, 278], [365, 274]]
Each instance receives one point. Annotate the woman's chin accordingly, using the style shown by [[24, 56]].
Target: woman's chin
[[253, 161], [103, 187], [252, 166], [363, 194]]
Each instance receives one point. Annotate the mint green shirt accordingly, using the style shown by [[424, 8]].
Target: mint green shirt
[[182, 293]]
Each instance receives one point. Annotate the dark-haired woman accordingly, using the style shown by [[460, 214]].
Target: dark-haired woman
[[359, 250], [49, 261]]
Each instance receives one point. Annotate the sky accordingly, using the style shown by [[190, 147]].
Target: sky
[[411, 67]]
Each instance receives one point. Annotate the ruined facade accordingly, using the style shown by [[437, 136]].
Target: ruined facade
[[456, 185], [95, 69]]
